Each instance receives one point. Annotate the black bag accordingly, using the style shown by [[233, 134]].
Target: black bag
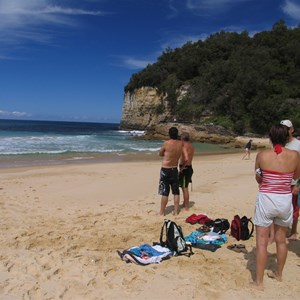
[[240, 228], [174, 238], [221, 225]]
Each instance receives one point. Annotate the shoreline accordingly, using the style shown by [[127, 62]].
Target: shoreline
[[58, 160]]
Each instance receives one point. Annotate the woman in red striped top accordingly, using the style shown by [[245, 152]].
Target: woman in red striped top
[[275, 169]]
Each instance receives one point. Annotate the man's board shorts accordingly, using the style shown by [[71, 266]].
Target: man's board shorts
[[185, 176], [273, 208], [168, 178]]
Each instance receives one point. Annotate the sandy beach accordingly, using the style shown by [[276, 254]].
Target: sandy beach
[[62, 225]]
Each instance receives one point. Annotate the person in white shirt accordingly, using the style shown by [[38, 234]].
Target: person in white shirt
[[293, 144]]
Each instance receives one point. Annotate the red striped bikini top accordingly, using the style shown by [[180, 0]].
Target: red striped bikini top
[[276, 182]]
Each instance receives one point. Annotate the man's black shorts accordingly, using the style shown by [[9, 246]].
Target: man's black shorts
[[168, 178], [185, 176]]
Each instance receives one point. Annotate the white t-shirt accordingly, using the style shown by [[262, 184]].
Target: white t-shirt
[[293, 145]]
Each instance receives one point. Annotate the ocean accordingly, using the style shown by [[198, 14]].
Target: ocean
[[24, 143]]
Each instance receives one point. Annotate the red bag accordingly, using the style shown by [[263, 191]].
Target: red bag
[[236, 228], [240, 228]]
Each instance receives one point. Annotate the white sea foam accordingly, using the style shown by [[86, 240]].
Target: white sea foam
[[145, 149], [133, 132], [80, 157], [65, 144]]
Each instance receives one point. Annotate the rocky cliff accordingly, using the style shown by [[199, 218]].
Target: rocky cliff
[[207, 133], [147, 109], [144, 108]]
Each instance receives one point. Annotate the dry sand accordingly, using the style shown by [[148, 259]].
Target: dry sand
[[61, 227]]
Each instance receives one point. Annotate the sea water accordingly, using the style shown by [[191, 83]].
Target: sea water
[[51, 142]]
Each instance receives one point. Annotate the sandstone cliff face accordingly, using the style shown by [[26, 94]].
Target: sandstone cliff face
[[147, 109], [144, 108]]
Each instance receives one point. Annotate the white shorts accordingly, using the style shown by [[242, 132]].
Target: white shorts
[[273, 208]]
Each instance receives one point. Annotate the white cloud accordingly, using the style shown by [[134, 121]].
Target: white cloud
[[134, 63], [173, 9], [14, 114], [292, 9], [22, 20], [210, 7], [177, 42], [70, 11]]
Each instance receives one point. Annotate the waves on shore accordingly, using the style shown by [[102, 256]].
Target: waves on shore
[[40, 142]]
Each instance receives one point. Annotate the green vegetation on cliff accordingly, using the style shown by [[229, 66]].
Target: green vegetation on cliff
[[244, 83]]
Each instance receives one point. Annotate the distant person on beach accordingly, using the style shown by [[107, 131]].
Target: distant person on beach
[[247, 150], [186, 169], [275, 169], [171, 152], [293, 144]]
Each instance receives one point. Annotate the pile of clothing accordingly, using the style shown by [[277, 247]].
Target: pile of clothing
[[145, 254], [206, 240]]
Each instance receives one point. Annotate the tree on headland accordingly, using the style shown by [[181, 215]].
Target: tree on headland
[[246, 83]]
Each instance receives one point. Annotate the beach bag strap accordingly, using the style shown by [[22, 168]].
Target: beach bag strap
[[163, 243], [252, 227]]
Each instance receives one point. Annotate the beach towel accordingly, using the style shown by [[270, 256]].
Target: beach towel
[[198, 239], [145, 254]]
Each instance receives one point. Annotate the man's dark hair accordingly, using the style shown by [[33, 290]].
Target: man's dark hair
[[173, 133], [279, 134]]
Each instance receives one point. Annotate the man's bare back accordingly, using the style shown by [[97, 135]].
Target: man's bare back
[[188, 154], [171, 151]]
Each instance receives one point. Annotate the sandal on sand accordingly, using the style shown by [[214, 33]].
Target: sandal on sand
[[238, 248]]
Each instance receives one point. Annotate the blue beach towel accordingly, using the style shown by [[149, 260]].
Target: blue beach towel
[[205, 238], [145, 254]]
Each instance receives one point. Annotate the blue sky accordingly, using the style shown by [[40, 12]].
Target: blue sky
[[70, 59]]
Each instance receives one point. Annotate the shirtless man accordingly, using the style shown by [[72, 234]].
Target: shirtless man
[[171, 151], [186, 170]]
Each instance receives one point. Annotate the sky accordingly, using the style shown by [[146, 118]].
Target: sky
[[69, 60]]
